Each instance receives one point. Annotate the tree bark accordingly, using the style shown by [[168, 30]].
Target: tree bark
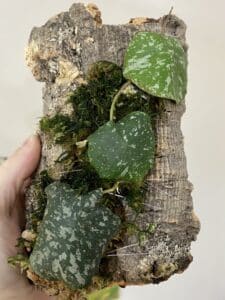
[[59, 54]]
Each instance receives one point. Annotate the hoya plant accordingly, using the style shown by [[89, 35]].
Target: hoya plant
[[157, 64], [110, 141]]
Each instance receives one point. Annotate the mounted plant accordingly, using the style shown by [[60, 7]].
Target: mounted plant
[[99, 202]]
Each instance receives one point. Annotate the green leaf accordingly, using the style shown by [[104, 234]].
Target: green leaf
[[73, 235], [125, 150], [111, 293], [157, 64]]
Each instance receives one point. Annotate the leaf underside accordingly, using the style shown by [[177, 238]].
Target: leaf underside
[[157, 64]]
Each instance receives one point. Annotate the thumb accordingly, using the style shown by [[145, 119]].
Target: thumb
[[19, 167]]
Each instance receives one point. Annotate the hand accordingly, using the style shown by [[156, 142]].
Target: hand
[[14, 178]]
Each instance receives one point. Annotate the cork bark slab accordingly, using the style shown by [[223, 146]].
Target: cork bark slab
[[59, 54]]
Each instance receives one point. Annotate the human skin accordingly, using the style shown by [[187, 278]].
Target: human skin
[[15, 176]]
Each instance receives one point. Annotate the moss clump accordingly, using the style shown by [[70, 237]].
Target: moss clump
[[134, 195], [20, 261], [83, 178], [107, 72], [135, 100], [59, 127], [143, 235], [91, 104], [39, 189], [92, 101], [108, 293]]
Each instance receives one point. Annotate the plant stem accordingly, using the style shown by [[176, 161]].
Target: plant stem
[[113, 106], [112, 189]]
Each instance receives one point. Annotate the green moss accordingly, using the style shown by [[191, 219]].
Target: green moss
[[60, 127], [23, 244], [83, 178], [134, 195], [109, 72], [151, 228], [39, 186], [131, 228], [135, 101], [111, 293], [91, 102], [143, 235], [20, 261]]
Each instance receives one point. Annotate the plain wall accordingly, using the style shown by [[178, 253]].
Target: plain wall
[[202, 124]]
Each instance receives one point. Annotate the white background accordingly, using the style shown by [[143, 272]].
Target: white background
[[203, 123]]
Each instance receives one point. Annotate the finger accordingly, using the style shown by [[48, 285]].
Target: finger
[[17, 169], [18, 209], [26, 184], [17, 212], [22, 163]]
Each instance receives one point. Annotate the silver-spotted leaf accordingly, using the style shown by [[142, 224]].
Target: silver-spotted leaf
[[157, 64], [73, 235], [124, 150]]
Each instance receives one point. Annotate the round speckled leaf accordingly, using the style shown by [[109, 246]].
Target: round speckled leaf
[[123, 150], [157, 64], [73, 236]]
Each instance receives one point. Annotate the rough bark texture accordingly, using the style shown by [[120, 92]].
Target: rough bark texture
[[59, 54]]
